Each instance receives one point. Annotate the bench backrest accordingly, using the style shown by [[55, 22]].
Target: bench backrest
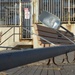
[[51, 35]]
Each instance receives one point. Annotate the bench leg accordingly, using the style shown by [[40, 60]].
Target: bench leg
[[48, 63], [65, 59], [74, 57], [51, 60]]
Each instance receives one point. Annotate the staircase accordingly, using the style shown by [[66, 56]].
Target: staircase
[[10, 37], [26, 43]]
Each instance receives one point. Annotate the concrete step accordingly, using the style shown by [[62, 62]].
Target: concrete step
[[23, 43]]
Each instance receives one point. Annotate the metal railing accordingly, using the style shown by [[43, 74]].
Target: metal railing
[[24, 34], [4, 36], [61, 8], [9, 12]]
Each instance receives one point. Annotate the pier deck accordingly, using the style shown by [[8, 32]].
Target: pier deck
[[40, 68]]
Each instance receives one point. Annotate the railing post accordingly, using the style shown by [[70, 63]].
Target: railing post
[[20, 14], [14, 34]]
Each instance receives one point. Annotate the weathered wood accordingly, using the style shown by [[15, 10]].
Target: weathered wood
[[34, 69], [49, 30], [40, 68], [55, 40], [44, 42], [52, 35], [44, 71], [16, 71]]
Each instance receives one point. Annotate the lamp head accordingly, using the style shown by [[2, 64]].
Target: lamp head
[[50, 20]]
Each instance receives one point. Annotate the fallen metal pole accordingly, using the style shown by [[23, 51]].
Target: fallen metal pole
[[17, 58]]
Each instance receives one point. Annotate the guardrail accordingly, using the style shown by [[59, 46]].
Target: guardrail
[[10, 33]]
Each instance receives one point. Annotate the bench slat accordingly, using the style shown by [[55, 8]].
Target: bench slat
[[51, 35], [55, 40], [60, 43], [49, 30]]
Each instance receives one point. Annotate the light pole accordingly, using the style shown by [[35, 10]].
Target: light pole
[[20, 12], [15, 14], [68, 12], [20, 20]]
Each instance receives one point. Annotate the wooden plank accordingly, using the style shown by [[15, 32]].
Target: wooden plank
[[71, 38], [41, 33], [15, 71], [65, 33], [39, 70], [44, 71], [42, 43], [43, 28], [69, 69], [49, 30], [20, 71], [51, 35], [54, 40], [34, 69], [56, 35], [63, 72], [50, 70], [57, 72], [12, 71], [26, 71]]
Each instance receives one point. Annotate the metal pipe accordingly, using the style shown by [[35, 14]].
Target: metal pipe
[[38, 36], [67, 30], [17, 58]]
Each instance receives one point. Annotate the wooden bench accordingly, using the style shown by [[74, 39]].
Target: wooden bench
[[52, 36]]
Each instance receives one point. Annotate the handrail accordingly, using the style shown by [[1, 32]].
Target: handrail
[[8, 36], [13, 34], [6, 39], [6, 31], [5, 47]]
